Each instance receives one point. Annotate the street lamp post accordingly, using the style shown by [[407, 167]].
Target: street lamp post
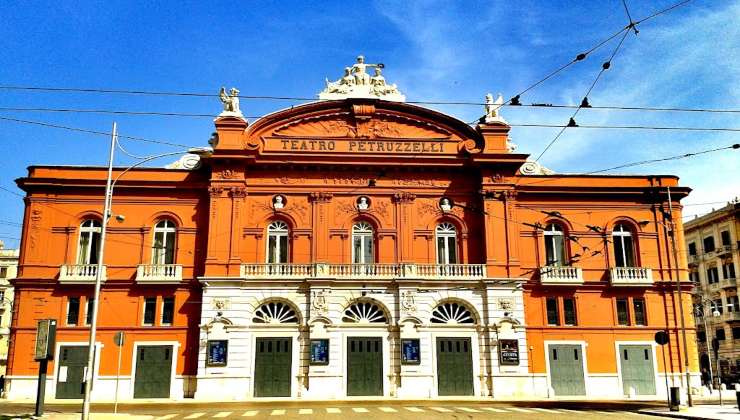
[[706, 306], [109, 184]]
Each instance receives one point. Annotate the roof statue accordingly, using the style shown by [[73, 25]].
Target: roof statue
[[357, 83], [231, 103], [493, 109]]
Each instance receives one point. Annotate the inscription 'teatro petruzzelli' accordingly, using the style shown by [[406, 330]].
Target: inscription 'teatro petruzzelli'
[[375, 146]]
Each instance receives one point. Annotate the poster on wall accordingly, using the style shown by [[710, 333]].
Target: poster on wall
[[320, 351], [410, 353], [508, 352], [217, 352]]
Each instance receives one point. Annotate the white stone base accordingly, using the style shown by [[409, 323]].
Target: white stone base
[[23, 388]]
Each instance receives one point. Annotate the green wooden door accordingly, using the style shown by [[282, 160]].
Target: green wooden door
[[272, 366], [454, 366], [153, 372], [637, 369], [71, 372], [566, 369], [364, 366]]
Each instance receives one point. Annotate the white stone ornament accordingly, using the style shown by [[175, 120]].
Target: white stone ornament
[[445, 204], [278, 202], [188, 161], [357, 83], [231, 103], [534, 168], [363, 203], [493, 109]]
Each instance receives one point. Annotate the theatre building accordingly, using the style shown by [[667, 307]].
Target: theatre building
[[355, 246]]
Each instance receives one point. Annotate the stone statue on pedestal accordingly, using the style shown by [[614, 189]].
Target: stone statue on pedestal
[[231, 103]]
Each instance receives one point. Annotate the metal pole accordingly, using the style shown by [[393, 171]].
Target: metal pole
[[41, 388], [719, 379], [709, 351], [665, 366], [118, 374], [689, 399], [98, 278]]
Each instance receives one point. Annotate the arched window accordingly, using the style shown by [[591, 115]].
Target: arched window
[[446, 243], [624, 248], [452, 313], [275, 313], [555, 245], [277, 242], [362, 243], [87, 251], [163, 247], [364, 313]]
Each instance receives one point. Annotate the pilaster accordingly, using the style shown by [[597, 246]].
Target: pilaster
[[404, 206], [320, 225]]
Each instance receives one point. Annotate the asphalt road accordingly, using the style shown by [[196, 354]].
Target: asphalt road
[[340, 410]]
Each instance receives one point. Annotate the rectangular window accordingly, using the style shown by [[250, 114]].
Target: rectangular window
[[733, 304], [569, 311], [623, 313], [694, 277], [553, 316], [725, 234], [150, 307], [3, 272], [736, 333], [701, 336], [717, 306], [73, 310], [638, 305], [89, 310], [2, 295], [728, 270], [168, 310], [719, 334], [709, 244], [692, 248], [712, 275]]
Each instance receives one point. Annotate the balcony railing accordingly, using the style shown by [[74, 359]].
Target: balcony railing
[[260, 271], [158, 273], [631, 276], [694, 259], [364, 271], [561, 275], [724, 250], [80, 273], [731, 316], [728, 283]]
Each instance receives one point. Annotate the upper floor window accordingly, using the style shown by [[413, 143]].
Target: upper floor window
[[362, 243], [87, 252], [709, 244], [728, 270], [725, 235], [555, 245], [446, 244], [163, 248], [624, 250], [277, 242], [692, 248]]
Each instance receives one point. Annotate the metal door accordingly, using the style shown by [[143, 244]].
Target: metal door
[[272, 367], [153, 372], [454, 366], [364, 366], [566, 369], [71, 372], [637, 369]]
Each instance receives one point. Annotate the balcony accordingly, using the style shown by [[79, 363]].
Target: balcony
[[631, 276], [694, 260], [158, 273], [731, 316], [727, 283], [363, 271], [724, 250], [561, 275], [80, 273]]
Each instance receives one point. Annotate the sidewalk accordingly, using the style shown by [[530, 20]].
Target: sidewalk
[[727, 411]]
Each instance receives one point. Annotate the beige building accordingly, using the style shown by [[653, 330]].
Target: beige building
[[712, 243], [8, 268]]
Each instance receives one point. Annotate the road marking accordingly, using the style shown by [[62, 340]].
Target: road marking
[[414, 409], [546, 410], [195, 415], [441, 410], [495, 410], [250, 413], [305, 411], [630, 412], [360, 410], [331, 410], [602, 412], [223, 414], [168, 416], [277, 413], [388, 410], [570, 411], [521, 410], [468, 410]]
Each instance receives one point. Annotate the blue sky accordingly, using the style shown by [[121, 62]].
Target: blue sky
[[433, 50]]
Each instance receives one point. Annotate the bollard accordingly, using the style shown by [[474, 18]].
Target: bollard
[[675, 401]]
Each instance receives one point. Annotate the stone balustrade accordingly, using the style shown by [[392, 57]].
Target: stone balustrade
[[158, 273], [80, 273], [364, 271], [561, 275], [631, 276]]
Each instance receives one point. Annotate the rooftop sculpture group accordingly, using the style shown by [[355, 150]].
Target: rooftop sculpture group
[[357, 83]]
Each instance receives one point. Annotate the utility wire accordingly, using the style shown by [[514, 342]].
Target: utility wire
[[631, 127]]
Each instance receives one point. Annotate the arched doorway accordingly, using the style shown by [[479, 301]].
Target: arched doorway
[[455, 346], [365, 347], [275, 358]]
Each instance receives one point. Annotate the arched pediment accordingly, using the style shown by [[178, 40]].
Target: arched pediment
[[361, 126]]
